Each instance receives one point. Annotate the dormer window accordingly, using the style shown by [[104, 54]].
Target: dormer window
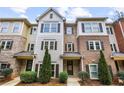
[[51, 16]]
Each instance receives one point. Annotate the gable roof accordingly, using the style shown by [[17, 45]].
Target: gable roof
[[50, 9]]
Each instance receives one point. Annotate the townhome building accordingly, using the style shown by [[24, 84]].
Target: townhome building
[[118, 56], [73, 47]]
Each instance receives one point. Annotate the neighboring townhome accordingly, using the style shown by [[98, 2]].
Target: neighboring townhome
[[50, 34], [92, 37], [118, 57], [13, 39]]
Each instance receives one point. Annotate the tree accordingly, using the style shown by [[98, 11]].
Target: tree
[[45, 70], [104, 73]]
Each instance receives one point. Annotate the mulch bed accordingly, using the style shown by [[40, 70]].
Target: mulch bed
[[96, 83], [53, 82]]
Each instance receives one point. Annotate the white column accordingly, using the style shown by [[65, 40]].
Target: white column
[[82, 64], [33, 64], [61, 66]]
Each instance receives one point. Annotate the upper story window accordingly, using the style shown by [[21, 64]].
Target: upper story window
[[69, 31], [92, 27], [6, 44], [51, 16], [95, 45], [109, 30], [30, 47], [16, 27], [50, 44], [4, 27], [33, 30], [50, 27], [113, 47], [69, 47]]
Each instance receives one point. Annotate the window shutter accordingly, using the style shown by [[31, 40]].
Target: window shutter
[[65, 47], [8, 65], [42, 25], [31, 31], [115, 48], [111, 30], [87, 68], [57, 70], [100, 26], [11, 44], [28, 47], [102, 46], [58, 27], [42, 44], [110, 69], [87, 45], [55, 45], [73, 47], [83, 30]]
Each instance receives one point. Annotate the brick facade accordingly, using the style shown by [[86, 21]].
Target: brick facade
[[92, 56]]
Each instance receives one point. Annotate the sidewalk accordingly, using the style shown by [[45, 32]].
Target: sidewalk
[[72, 81], [12, 82]]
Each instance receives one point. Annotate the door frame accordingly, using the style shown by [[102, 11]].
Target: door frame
[[71, 61]]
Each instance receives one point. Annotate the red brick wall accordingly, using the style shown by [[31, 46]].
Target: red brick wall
[[119, 36]]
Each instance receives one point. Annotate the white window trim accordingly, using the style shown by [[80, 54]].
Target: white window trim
[[67, 30], [91, 71], [94, 41], [92, 31], [14, 26], [49, 44], [2, 27], [50, 27], [5, 44], [71, 47]]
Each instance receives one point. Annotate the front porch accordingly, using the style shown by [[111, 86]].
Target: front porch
[[119, 61], [72, 63], [25, 61]]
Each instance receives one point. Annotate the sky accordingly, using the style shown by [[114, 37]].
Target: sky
[[70, 13]]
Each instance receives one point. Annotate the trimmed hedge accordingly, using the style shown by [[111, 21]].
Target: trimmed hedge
[[63, 76], [121, 75], [28, 77], [7, 71], [83, 75]]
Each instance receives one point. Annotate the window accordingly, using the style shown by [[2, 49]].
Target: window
[[6, 44], [4, 27], [113, 47], [94, 45], [52, 45], [16, 27], [92, 27], [51, 16], [4, 65], [51, 27], [33, 30], [30, 47], [53, 70], [93, 68], [69, 47], [68, 30], [109, 30]]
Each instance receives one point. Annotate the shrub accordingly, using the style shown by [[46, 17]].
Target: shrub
[[84, 76], [121, 75], [104, 73], [7, 71], [63, 77], [45, 70], [28, 76]]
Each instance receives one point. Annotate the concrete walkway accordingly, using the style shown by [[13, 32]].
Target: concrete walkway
[[72, 81], [12, 82]]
